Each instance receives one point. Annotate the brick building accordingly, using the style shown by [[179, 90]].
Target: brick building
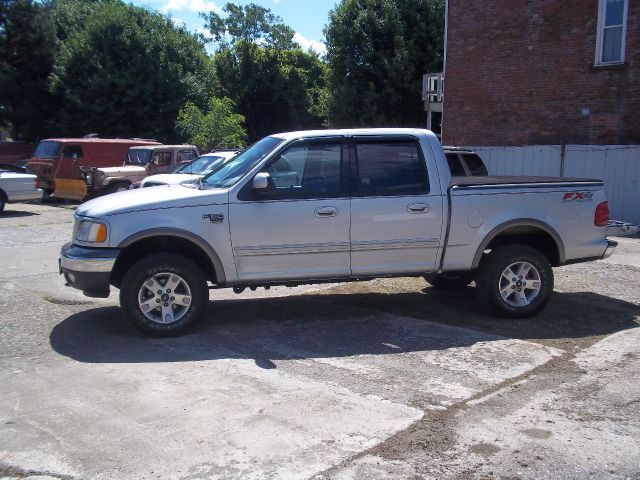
[[535, 72]]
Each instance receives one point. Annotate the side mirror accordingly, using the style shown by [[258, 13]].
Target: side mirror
[[262, 182]]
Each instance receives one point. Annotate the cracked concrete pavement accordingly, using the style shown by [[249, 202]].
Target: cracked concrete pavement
[[382, 379]]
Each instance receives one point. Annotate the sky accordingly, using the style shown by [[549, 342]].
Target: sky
[[306, 17]]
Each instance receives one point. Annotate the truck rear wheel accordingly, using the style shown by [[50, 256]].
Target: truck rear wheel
[[515, 280], [164, 294], [449, 281]]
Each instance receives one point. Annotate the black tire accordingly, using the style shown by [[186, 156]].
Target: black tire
[[117, 187], [2, 203], [135, 289], [492, 281], [449, 281]]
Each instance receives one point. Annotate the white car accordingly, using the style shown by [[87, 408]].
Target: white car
[[191, 172], [18, 187]]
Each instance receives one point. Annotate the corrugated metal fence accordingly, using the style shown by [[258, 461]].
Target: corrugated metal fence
[[617, 165]]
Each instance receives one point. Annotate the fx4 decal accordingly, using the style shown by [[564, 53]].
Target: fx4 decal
[[578, 197]]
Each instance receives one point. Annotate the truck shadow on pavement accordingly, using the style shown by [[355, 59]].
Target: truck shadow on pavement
[[339, 325]]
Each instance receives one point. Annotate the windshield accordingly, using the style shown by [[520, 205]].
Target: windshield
[[138, 156], [201, 165], [232, 172], [47, 150]]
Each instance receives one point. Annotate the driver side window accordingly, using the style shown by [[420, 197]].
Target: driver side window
[[307, 170]]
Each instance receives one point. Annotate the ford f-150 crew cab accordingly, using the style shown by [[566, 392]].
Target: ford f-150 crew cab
[[333, 206]]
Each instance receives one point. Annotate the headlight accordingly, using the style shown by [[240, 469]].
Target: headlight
[[92, 232]]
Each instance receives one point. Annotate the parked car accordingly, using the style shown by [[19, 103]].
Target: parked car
[[18, 187], [358, 204], [140, 163], [190, 172], [58, 162]]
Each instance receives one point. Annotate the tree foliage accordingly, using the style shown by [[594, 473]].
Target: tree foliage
[[27, 55], [275, 85], [251, 23], [128, 72], [377, 52], [219, 127]]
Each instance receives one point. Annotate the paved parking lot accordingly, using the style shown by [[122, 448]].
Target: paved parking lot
[[383, 379]]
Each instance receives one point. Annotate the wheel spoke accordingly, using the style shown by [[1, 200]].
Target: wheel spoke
[[524, 269], [153, 285], [149, 305], [508, 274], [182, 300], [167, 314], [172, 282], [506, 293], [532, 285], [522, 299]]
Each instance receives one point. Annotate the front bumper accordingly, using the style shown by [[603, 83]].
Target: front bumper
[[88, 269], [611, 247]]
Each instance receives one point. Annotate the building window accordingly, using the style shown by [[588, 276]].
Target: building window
[[612, 32]]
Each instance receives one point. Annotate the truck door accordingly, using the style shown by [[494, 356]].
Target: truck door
[[69, 182], [299, 229], [396, 221]]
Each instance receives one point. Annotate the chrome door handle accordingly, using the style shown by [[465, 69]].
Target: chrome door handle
[[417, 208], [326, 212]]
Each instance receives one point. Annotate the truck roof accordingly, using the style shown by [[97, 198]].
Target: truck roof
[[142, 141], [348, 132], [151, 147]]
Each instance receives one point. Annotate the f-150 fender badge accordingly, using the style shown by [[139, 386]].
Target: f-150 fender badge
[[578, 197], [213, 217]]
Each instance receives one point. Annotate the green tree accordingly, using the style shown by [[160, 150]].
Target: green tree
[[274, 83], [128, 71], [27, 56], [377, 52], [219, 127], [251, 23]]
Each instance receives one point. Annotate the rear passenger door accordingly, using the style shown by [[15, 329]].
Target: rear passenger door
[[396, 220]]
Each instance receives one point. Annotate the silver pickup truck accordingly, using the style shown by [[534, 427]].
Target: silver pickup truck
[[334, 206]]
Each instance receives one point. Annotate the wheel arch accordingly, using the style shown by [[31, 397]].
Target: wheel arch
[[172, 240], [531, 232]]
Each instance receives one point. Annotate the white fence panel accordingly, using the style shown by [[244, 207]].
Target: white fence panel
[[618, 166], [537, 160]]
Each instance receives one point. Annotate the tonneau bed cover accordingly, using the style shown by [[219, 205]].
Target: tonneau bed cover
[[506, 182]]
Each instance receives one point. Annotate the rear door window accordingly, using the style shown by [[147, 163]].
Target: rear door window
[[162, 159], [186, 155], [389, 167], [72, 151]]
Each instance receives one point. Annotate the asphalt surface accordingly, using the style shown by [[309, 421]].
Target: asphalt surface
[[382, 379]]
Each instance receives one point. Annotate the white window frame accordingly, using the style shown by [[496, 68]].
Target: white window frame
[[602, 5]]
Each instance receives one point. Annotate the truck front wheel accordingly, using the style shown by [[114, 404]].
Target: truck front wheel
[[515, 280], [164, 294]]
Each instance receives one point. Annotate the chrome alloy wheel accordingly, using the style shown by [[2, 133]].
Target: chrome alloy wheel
[[164, 297], [520, 284]]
